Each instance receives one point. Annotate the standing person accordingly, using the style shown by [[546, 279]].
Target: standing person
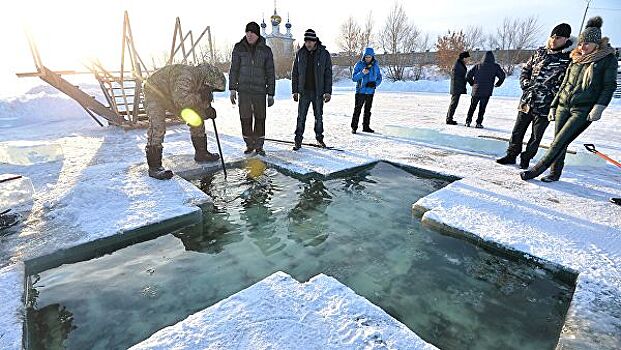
[[588, 86], [252, 76], [481, 77], [458, 85], [540, 80], [311, 82], [368, 77], [172, 89]]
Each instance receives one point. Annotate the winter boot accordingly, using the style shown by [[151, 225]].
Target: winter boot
[[260, 152], [353, 131], [248, 150], [451, 122], [368, 129], [467, 124], [524, 163], [322, 144], [154, 160], [532, 172], [616, 201], [479, 126], [550, 178], [201, 155], [506, 160], [297, 145]]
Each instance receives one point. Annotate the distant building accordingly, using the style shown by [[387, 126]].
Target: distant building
[[281, 44]]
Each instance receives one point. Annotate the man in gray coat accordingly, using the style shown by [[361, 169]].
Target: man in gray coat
[[252, 76]]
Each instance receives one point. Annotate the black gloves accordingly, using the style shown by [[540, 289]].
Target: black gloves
[[210, 113], [371, 84]]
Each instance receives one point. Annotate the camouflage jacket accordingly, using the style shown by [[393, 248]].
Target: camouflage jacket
[[180, 86], [541, 79]]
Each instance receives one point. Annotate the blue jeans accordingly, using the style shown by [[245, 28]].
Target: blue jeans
[[306, 98]]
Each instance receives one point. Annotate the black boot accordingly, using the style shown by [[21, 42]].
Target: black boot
[[532, 172], [524, 163], [367, 129], [201, 155], [154, 160], [451, 122], [551, 178], [616, 201], [506, 160]]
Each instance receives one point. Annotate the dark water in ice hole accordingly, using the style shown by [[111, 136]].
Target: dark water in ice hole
[[358, 229]]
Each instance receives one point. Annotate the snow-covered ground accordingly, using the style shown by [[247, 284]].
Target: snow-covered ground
[[320, 314], [99, 188]]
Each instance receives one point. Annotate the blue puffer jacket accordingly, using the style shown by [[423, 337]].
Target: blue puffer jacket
[[374, 75]]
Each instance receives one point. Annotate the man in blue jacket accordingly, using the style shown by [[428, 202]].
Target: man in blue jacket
[[368, 77], [311, 82]]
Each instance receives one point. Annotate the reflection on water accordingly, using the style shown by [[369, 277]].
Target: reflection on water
[[358, 229]]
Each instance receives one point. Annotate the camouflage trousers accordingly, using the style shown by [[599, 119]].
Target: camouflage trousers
[[156, 111]]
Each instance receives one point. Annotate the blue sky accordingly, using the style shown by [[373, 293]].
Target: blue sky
[[60, 25]]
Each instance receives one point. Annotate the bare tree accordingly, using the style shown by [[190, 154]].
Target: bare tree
[[512, 37], [474, 38], [349, 41], [353, 39], [399, 39], [422, 58]]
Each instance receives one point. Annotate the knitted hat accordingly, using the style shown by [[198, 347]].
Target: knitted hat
[[253, 27], [593, 31], [310, 35], [464, 54], [562, 29]]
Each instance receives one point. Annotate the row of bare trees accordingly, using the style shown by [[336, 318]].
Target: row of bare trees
[[400, 36]]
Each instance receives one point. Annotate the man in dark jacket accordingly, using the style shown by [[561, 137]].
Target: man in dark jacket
[[458, 85], [311, 82], [481, 77], [252, 76], [540, 80]]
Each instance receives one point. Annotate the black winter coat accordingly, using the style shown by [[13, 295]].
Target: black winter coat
[[458, 78], [252, 70], [482, 76], [323, 70]]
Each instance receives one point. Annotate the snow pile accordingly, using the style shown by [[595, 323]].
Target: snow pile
[[11, 307], [14, 192], [281, 313]]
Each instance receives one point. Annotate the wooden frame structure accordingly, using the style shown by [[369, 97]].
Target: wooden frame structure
[[122, 89]]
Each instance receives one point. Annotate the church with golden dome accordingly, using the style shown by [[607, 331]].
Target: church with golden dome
[[280, 43]]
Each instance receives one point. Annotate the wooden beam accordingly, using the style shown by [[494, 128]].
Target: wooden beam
[[79, 96]]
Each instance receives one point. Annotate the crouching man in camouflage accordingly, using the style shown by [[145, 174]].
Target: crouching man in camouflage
[[172, 89]]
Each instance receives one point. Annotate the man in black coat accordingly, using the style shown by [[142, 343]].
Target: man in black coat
[[458, 85], [481, 77], [311, 82], [540, 81], [252, 76]]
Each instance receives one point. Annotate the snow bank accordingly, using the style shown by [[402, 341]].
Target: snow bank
[[281, 313], [11, 307]]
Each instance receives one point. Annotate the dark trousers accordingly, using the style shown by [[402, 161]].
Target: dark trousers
[[540, 123], [252, 109], [452, 107], [570, 123], [365, 100], [306, 98], [482, 101]]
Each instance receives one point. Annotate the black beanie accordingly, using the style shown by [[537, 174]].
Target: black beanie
[[562, 29], [464, 54], [253, 27], [310, 35]]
